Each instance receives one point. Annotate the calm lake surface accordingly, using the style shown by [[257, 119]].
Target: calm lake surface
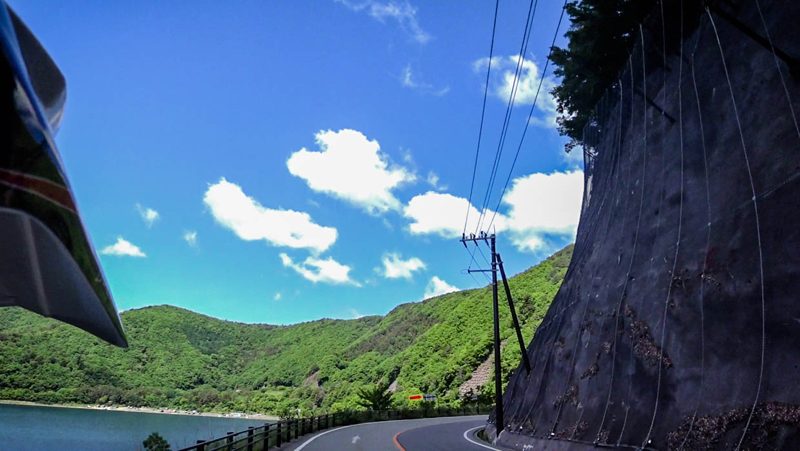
[[37, 428]]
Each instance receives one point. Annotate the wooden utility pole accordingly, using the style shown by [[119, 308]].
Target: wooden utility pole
[[497, 265], [499, 422]]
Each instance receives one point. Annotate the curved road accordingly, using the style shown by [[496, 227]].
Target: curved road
[[426, 434]]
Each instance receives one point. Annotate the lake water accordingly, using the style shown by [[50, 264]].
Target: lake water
[[33, 428]]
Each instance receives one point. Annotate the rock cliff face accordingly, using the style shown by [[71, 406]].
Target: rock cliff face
[[678, 324]]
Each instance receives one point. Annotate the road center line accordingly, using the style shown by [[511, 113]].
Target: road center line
[[397, 442]]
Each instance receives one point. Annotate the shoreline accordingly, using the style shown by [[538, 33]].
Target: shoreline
[[164, 411]]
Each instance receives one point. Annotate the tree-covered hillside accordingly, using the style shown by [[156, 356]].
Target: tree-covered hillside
[[181, 359]]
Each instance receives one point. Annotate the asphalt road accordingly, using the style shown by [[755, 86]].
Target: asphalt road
[[427, 434]]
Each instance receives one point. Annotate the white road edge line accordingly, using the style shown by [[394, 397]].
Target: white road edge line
[[303, 445], [466, 437]]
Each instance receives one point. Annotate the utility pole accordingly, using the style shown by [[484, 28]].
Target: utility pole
[[497, 265], [499, 422]]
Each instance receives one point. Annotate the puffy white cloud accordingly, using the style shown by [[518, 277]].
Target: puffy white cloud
[[538, 205], [438, 287], [402, 12], [541, 204], [443, 214], [251, 221], [149, 216], [123, 248], [502, 82], [352, 168], [326, 270], [190, 236], [394, 267]]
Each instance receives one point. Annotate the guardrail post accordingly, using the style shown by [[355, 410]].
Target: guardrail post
[[229, 441], [277, 436], [201, 445], [250, 438]]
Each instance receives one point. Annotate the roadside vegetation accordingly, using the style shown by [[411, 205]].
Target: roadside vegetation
[[184, 360]]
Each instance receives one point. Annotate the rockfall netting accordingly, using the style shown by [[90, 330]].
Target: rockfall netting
[[678, 323]]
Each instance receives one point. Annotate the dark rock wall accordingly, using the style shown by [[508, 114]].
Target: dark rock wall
[[678, 324]]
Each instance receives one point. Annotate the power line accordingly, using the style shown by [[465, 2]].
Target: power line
[[483, 115], [530, 113], [509, 108]]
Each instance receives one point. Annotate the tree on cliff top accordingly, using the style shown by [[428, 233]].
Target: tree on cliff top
[[601, 37]]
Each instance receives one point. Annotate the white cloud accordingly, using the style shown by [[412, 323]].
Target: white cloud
[[433, 181], [574, 158], [408, 77], [407, 156], [443, 214], [541, 204], [409, 80], [277, 296], [538, 205], [402, 12], [251, 221], [326, 270], [394, 267], [355, 314], [352, 168], [502, 82], [149, 216], [438, 287], [190, 236], [123, 248]]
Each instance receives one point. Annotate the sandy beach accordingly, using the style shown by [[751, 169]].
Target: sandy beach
[[249, 416]]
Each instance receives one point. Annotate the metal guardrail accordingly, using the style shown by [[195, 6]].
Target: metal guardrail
[[273, 435]]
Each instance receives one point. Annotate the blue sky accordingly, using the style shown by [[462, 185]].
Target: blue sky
[[286, 161]]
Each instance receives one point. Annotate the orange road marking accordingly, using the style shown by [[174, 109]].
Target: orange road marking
[[397, 443]]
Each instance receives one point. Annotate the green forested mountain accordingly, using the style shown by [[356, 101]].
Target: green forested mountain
[[181, 359]]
